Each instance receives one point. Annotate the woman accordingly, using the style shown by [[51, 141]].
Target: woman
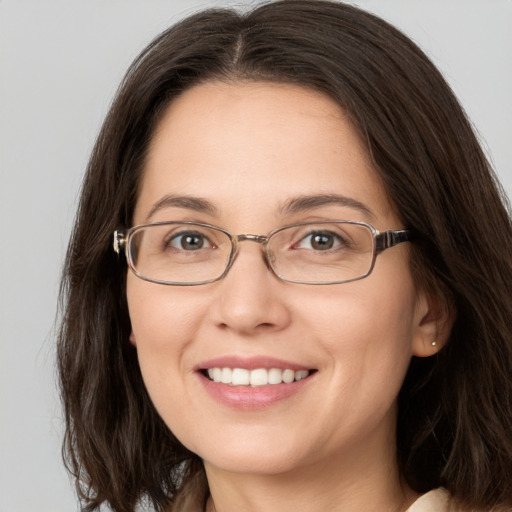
[[288, 283]]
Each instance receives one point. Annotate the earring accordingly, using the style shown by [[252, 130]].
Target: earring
[[434, 343]]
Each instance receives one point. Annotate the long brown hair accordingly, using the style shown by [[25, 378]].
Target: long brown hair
[[455, 409]]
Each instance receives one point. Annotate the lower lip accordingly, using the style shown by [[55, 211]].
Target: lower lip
[[252, 397]]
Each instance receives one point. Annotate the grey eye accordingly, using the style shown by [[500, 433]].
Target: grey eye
[[189, 241], [320, 241]]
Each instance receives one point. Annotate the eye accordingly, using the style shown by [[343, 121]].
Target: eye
[[320, 241], [188, 241]]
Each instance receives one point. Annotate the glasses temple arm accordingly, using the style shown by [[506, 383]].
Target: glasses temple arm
[[119, 240], [389, 239]]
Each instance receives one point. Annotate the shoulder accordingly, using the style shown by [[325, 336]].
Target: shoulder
[[439, 500]]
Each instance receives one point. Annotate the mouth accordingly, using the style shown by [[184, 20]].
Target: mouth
[[255, 382], [256, 377]]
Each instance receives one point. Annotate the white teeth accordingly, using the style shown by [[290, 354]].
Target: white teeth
[[258, 377], [301, 374], [240, 377], [215, 374], [275, 376], [226, 376], [288, 376]]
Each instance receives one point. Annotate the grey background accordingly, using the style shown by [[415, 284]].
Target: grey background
[[60, 63]]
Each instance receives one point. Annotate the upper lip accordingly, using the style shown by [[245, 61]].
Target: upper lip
[[250, 363]]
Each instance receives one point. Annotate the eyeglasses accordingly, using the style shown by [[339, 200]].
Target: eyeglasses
[[193, 253]]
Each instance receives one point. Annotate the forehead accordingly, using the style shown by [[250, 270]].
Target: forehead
[[253, 145]]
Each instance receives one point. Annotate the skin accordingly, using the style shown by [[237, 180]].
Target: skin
[[248, 148]]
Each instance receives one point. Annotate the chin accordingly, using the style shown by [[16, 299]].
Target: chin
[[257, 457], [259, 464]]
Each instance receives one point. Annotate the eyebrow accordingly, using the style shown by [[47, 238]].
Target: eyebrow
[[197, 204], [305, 203], [295, 205]]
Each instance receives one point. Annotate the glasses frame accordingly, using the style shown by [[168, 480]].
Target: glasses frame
[[381, 241]]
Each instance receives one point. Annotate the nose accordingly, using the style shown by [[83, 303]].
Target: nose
[[251, 299]]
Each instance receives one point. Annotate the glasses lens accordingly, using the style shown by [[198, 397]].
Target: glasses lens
[[322, 252], [179, 253]]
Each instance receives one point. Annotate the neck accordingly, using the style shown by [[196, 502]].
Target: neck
[[347, 483]]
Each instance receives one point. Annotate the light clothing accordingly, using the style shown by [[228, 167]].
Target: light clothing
[[437, 500]]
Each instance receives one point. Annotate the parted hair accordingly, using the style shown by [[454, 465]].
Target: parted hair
[[455, 408]]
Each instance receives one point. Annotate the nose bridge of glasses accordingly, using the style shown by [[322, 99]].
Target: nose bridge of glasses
[[260, 239], [236, 239]]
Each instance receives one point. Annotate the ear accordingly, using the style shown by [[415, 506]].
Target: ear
[[132, 339], [434, 320]]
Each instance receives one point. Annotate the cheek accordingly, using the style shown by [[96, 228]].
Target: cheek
[[360, 316], [370, 349], [159, 314], [163, 325], [165, 321], [367, 328]]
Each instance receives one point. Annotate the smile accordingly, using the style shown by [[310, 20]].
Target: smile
[[253, 383], [256, 377]]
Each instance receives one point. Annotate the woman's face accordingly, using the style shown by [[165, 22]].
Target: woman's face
[[249, 151]]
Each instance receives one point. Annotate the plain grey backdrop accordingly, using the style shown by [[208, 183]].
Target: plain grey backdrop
[[60, 63]]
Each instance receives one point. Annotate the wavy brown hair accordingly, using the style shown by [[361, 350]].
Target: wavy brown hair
[[455, 409]]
